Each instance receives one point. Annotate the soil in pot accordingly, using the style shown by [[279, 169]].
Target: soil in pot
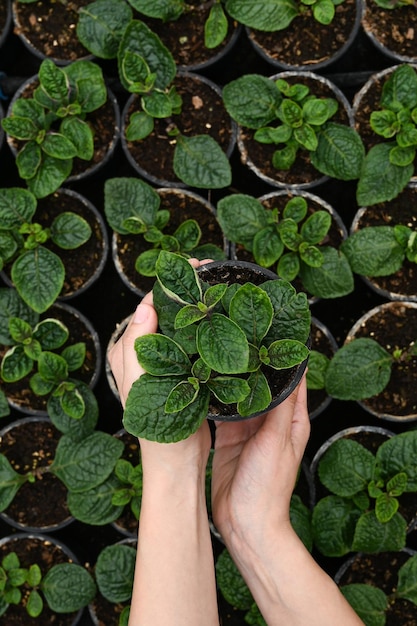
[[182, 206], [49, 28], [380, 570], [302, 173], [203, 113], [305, 42], [393, 31], [30, 445], [42, 550], [127, 524], [393, 325], [80, 329], [400, 210]]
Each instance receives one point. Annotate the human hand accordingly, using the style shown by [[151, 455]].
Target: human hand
[[255, 468]]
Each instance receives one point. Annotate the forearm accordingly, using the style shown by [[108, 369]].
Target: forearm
[[287, 584], [174, 578]]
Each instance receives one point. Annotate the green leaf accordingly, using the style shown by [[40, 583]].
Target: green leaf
[[216, 26], [340, 152], [398, 455], [251, 309], [51, 333], [126, 197], [223, 345], [333, 279], [251, 100], [370, 603], [241, 217], [145, 264], [17, 206], [333, 523], [79, 133], [77, 429], [29, 161], [68, 587], [228, 389], [407, 580], [95, 506], [157, 104], [265, 15], [57, 146], [317, 366], [324, 11], [72, 403], [101, 25], [259, 397], [316, 227], [231, 584], [286, 353], [292, 316], [300, 517], [189, 314], [267, 246], [379, 179], [400, 88], [15, 365], [10, 482], [346, 467], [200, 162], [178, 278], [140, 126], [52, 367], [34, 605], [359, 369], [373, 536], [145, 416], [385, 507], [114, 572], [373, 251], [161, 356], [74, 355], [181, 396], [85, 464]]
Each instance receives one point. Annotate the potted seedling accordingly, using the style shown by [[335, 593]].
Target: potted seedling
[[292, 115], [36, 271], [365, 507], [40, 575], [48, 124], [389, 133], [143, 215], [220, 342], [293, 241]]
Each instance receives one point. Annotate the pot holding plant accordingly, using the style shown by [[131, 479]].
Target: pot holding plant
[[145, 220], [43, 582], [382, 248], [295, 233], [232, 345], [295, 129], [391, 27], [365, 483]]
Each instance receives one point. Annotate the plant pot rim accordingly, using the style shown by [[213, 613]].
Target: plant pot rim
[[217, 56], [139, 169], [350, 335], [321, 178], [358, 555], [315, 66], [8, 23], [20, 423], [204, 271]]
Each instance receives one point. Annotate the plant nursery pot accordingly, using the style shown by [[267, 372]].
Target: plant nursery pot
[[5, 21], [323, 341], [392, 31], [182, 204], [184, 38], [282, 382], [381, 571], [277, 200], [29, 444], [46, 551], [85, 264], [302, 175], [127, 524], [203, 112], [402, 285], [290, 49], [19, 394], [105, 124], [49, 29], [393, 325]]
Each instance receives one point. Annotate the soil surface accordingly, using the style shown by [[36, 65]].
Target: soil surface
[[394, 29]]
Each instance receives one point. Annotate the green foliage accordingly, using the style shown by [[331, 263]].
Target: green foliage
[[222, 337], [361, 513], [34, 348], [279, 14], [52, 125], [295, 120], [291, 242], [389, 165], [372, 604], [114, 572], [36, 271], [66, 587], [132, 207]]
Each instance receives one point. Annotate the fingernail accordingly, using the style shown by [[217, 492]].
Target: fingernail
[[141, 314]]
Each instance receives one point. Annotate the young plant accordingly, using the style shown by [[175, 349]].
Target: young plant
[[81, 465], [389, 165], [34, 348], [36, 271], [114, 572], [226, 337], [380, 250], [361, 513], [291, 242], [372, 604], [51, 127], [65, 588], [140, 214], [274, 16], [294, 120]]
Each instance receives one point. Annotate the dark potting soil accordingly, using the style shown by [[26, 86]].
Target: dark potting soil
[[306, 42], [30, 447], [396, 29]]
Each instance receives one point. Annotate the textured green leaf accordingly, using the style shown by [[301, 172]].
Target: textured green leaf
[[292, 316], [49, 176], [126, 197], [286, 353], [346, 467], [251, 309], [10, 482], [268, 15], [216, 26], [178, 278], [161, 356], [15, 365], [251, 100], [369, 602], [69, 230], [79, 133], [228, 389], [332, 279], [333, 524], [259, 397], [101, 25], [231, 584], [373, 536], [223, 345], [114, 572], [241, 217], [95, 506], [17, 206], [68, 587], [407, 580], [200, 162], [373, 251], [340, 152], [399, 454], [77, 429], [379, 179]]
